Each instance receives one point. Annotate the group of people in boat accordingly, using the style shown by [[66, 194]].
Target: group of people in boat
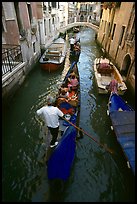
[[68, 91]]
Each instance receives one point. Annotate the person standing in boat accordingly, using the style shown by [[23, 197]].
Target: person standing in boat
[[113, 86], [77, 48], [73, 82], [51, 116], [72, 41]]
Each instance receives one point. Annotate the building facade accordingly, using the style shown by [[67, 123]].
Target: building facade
[[54, 15], [20, 43], [89, 12], [117, 36], [27, 29]]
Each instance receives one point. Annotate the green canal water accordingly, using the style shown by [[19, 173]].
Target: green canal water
[[96, 175]]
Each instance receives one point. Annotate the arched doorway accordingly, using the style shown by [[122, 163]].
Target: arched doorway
[[82, 18], [126, 65]]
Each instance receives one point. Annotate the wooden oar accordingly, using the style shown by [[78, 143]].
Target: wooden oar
[[80, 129]]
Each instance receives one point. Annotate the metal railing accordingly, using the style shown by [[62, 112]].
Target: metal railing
[[11, 57]]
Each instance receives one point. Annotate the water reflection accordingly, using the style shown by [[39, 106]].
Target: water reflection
[[96, 174]]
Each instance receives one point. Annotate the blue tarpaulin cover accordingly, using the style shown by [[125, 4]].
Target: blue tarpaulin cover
[[61, 160], [123, 122]]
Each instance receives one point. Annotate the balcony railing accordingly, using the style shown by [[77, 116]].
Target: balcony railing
[[11, 57]]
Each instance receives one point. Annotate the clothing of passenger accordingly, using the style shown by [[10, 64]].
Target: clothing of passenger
[[73, 83], [113, 86], [64, 94]]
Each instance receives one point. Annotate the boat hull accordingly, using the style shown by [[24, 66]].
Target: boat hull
[[105, 75], [123, 122], [60, 162], [54, 56], [51, 67], [74, 57]]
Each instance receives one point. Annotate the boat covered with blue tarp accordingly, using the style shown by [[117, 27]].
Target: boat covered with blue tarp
[[123, 122], [60, 162]]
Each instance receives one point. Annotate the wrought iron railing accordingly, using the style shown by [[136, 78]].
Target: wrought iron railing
[[11, 57]]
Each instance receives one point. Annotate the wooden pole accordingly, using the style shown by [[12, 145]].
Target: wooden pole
[[80, 129]]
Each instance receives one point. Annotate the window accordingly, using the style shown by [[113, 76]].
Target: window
[[30, 11], [53, 4], [17, 11], [101, 25], [121, 35], [109, 29], [114, 27], [2, 27], [49, 26], [34, 47], [104, 26], [44, 7], [49, 6], [45, 26], [132, 34]]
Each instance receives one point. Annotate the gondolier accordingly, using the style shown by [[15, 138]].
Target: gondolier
[[72, 41], [51, 116]]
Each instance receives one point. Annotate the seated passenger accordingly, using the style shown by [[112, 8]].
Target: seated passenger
[[64, 87], [73, 82], [73, 98], [64, 94]]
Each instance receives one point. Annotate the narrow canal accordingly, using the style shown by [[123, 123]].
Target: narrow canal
[[97, 175]]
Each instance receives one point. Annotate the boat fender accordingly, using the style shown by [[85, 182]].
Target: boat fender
[[128, 164], [111, 127], [80, 134], [107, 112]]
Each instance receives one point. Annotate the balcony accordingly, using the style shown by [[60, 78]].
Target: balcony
[[11, 57]]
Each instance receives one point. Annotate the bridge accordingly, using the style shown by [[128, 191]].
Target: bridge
[[84, 24]]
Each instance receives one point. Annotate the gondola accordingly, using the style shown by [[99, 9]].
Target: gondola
[[76, 29], [123, 123], [61, 160], [105, 72], [54, 56]]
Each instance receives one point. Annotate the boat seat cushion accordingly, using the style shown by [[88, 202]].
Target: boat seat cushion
[[105, 68]]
